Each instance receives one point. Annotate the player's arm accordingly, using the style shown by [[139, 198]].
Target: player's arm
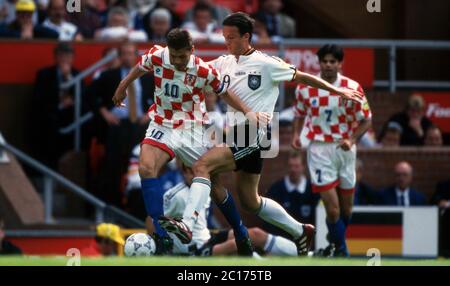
[[297, 128], [363, 126], [235, 102], [121, 92], [317, 82]]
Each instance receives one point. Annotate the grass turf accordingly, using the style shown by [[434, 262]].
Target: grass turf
[[213, 261]]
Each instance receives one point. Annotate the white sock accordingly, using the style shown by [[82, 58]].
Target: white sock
[[273, 213], [198, 197], [280, 246]]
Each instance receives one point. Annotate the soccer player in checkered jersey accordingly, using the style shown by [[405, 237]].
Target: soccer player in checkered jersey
[[331, 125], [254, 77], [181, 79]]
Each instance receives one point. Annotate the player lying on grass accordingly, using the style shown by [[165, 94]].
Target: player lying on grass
[[205, 242]]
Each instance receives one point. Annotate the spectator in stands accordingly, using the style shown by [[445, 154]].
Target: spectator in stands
[[277, 23], [441, 198], [294, 193], [175, 20], [56, 21], [137, 10], [23, 27], [88, 20], [402, 194], [202, 28], [364, 194], [392, 135], [108, 239], [218, 12], [6, 247], [413, 121], [159, 25], [8, 11], [260, 32], [120, 128], [117, 27], [56, 107], [433, 137], [115, 63]]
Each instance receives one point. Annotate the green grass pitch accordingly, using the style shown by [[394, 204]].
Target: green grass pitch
[[213, 261]]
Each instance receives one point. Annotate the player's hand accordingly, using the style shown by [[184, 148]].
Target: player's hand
[[144, 120], [256, 118], [119, 97], [346, 144], [296, 144], [351, 94]]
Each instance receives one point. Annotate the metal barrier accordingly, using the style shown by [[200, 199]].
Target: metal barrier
[[77, 80], [102, 210]]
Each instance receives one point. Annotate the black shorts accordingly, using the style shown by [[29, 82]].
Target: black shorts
[[247, 155]]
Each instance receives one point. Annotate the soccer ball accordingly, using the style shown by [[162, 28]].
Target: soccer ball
[[139, 244]]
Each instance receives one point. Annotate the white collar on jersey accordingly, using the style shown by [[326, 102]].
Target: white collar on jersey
[[166, 59], [300, 187], [338, 79]]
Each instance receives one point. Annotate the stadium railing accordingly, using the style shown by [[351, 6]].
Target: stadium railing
[[103, 211]]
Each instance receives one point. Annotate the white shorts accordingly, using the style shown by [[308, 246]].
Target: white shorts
[[184, 143], [331, 167]]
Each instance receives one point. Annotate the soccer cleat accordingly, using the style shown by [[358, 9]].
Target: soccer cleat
[[177, 227], [327, 251], [244, 247], [304, 242], [164, 245]]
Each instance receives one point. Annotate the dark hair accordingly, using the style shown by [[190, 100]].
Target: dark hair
[[201, 7], [179, 39], [242, 21], [335, 50], [63, 48], [125, 44]]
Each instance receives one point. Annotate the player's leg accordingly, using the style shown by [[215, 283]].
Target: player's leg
[[155, 153], [323, 165], [151, 160], [217, 160], [201, 184], [346, 189], [336, 226], [272, 244], [272, 212]]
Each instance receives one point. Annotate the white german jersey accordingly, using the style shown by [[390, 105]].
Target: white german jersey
[[175, 201], [179, 95], [329, 118], [254, 78]]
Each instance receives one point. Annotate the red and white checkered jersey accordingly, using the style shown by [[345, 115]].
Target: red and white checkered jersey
[[329, 117], [179, 95]]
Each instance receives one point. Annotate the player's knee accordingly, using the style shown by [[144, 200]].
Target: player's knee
[[147, 170], [200, 168], [250, 206], [333, 214]]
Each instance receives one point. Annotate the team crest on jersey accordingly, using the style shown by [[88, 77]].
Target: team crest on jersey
[[190, 79], [254, 81]]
